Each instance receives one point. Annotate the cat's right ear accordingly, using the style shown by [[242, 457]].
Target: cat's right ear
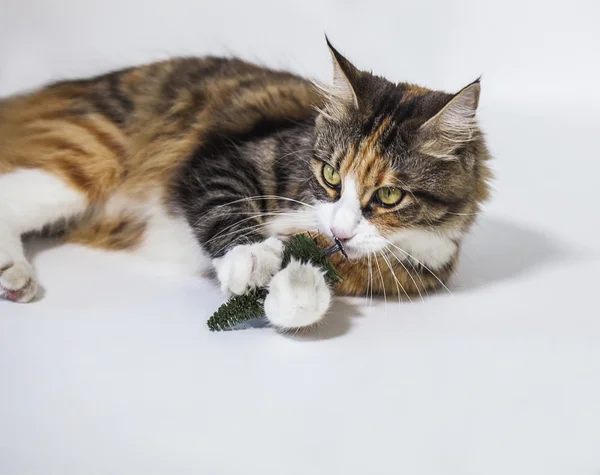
[[341, 96], [454, 125]]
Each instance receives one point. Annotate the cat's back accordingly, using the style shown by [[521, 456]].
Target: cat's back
[[226, 90], [189, 91], [150, 117], [227, 94]]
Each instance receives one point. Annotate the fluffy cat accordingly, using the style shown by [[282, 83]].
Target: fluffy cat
[[211, 163]]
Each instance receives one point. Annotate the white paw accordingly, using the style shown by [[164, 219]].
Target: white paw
[[248, 266], [17, 281], [298, 296]]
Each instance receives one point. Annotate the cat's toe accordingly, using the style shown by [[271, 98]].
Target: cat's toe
[[298, 296], [17, 282], [249, 266]]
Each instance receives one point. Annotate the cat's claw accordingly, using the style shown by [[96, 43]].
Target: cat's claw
[[248, 266], [17, 282], [298, 296]]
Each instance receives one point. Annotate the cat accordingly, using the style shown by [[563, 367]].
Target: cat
[[212, 162]]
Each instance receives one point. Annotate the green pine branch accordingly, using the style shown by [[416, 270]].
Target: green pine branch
[[242, 308], [238, 309]]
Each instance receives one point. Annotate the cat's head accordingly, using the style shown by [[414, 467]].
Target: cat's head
[[397, 165]]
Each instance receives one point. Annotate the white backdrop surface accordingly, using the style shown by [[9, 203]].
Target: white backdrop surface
[[115, 372]]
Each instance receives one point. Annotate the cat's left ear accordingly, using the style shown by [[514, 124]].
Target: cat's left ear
[[341, 96], [454, 125]]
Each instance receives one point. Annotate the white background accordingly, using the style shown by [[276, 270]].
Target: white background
[[115, 372]]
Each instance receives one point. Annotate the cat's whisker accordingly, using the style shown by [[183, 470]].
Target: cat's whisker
[[421, 264], [244, 233], [252, 199], [414, 268], [246, 230], [410, 275], [257, 215], [387, 262], [295, 153], [371, 280], [382, 283], [222, 233], [260, 214], [285, 198], [368, 281], [463, 214], [403, 289]]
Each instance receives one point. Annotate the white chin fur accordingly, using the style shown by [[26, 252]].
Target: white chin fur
[[424, 247], [298, 296]]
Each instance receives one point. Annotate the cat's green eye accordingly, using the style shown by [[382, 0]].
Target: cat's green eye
[[331, 176], [389, 196]]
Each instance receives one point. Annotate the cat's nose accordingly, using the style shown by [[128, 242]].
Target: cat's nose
[[342, 235]]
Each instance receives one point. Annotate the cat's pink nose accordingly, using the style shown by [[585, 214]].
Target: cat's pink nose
[[342, 235]]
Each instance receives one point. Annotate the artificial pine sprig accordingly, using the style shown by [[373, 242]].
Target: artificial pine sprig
[[241, 308], [238, 309]]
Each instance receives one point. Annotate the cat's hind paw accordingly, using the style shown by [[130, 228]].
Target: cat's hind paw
[[298, 296], [248, 266], [17, 281]]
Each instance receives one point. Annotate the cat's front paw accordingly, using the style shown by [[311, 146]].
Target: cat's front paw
[[248, 266], [17, 281], [298, 296]]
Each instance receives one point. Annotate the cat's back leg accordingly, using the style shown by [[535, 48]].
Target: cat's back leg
[[57, 157], [30, 199]]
